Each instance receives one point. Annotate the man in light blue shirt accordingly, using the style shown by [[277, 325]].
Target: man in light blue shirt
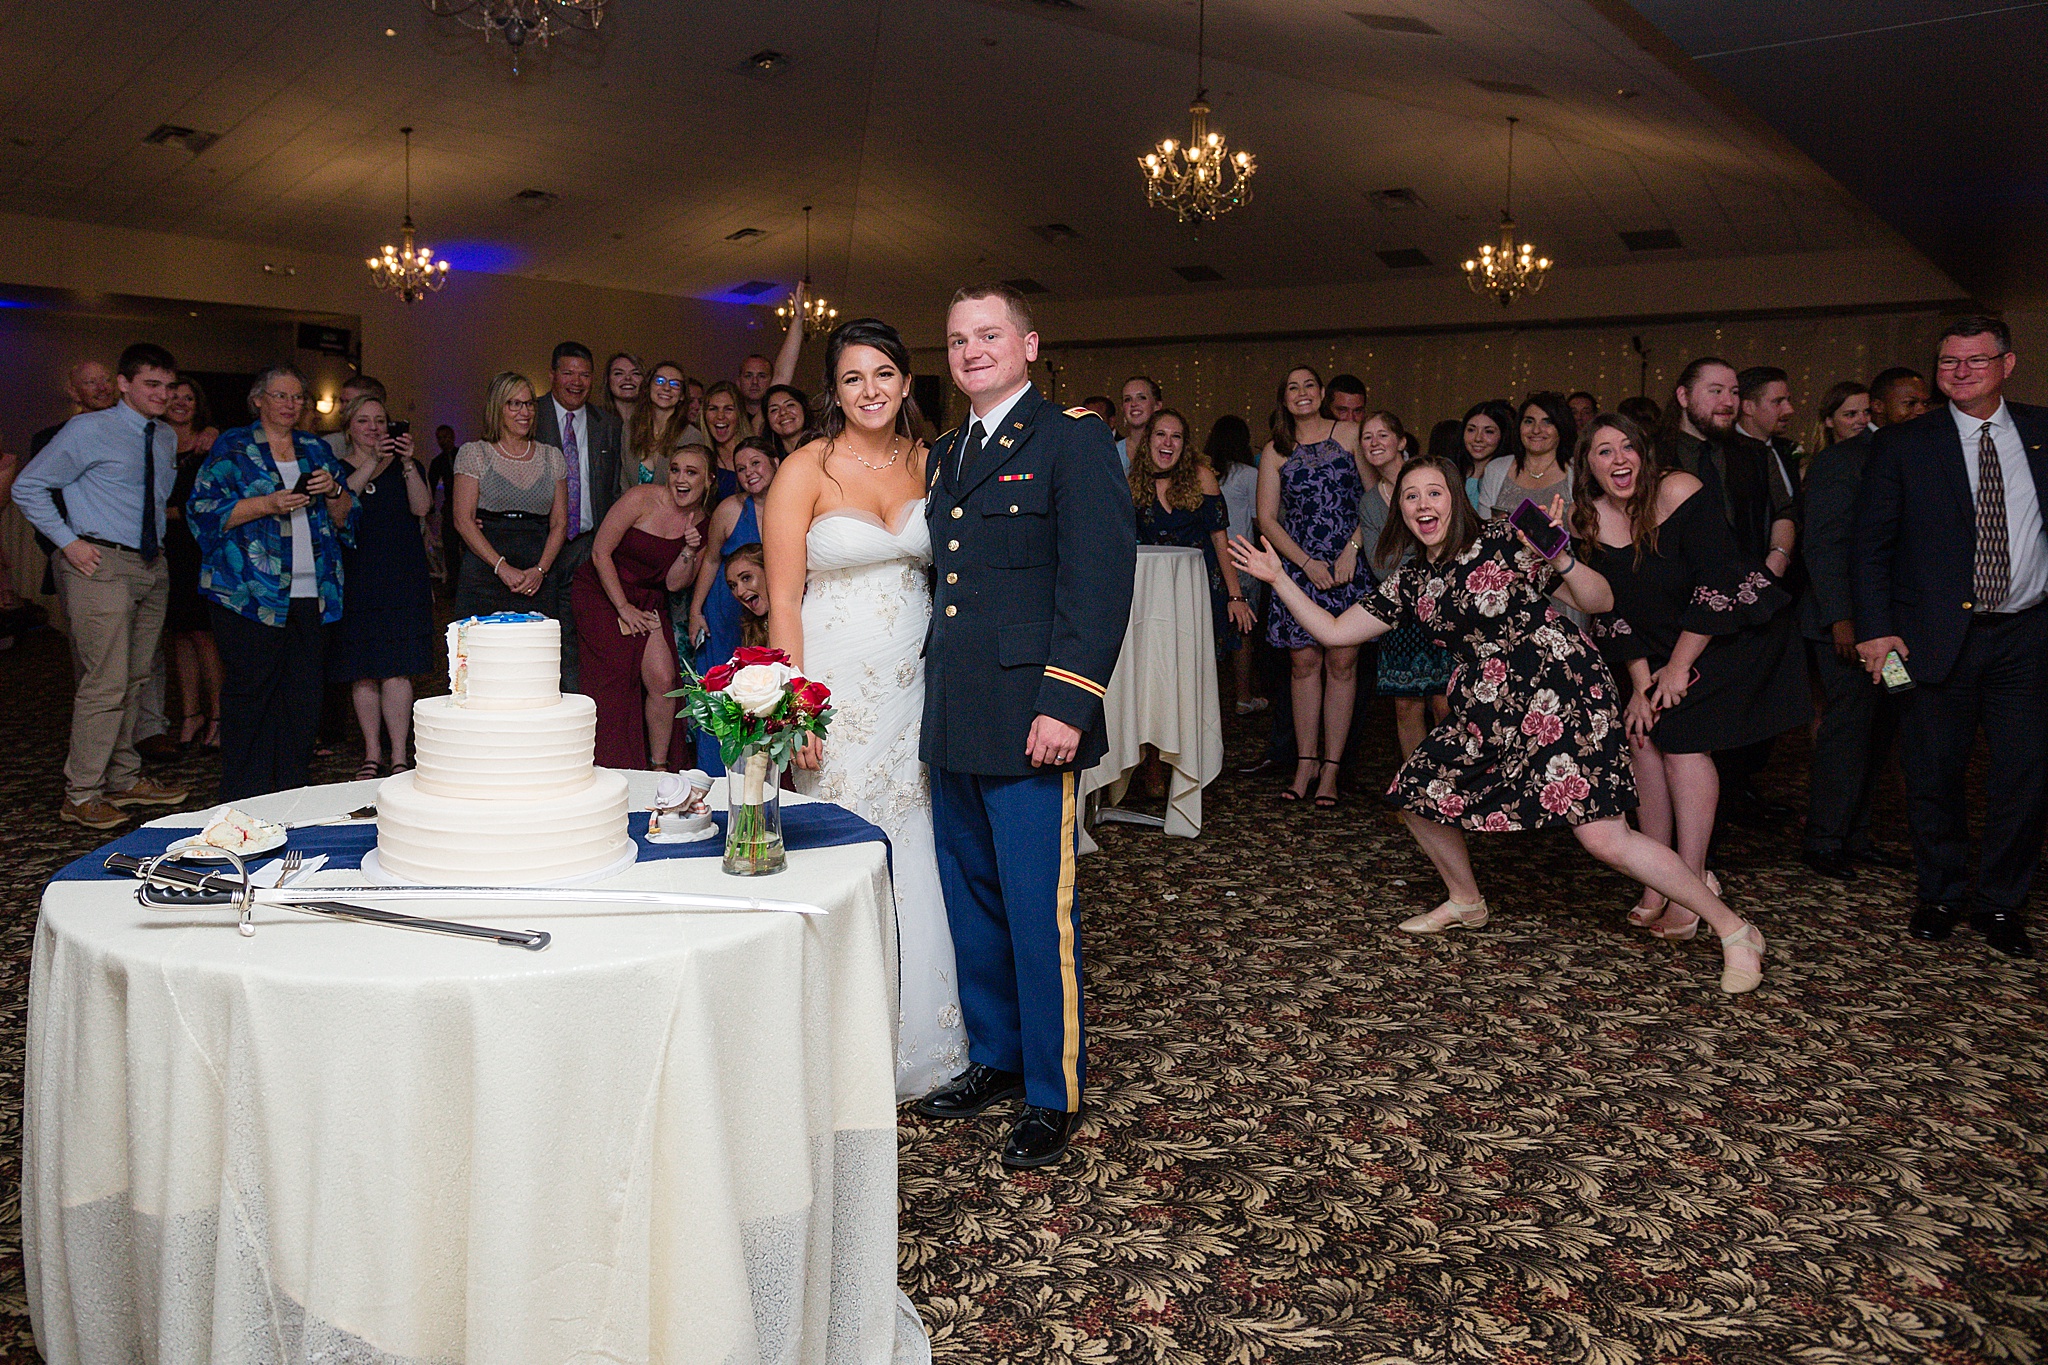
[[114, 469]]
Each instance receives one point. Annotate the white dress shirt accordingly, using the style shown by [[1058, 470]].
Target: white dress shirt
[[580, 421], [305, 568], [2024, 536], [989, 422]]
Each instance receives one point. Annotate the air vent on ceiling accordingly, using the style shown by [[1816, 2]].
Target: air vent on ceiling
[[1405, 258], [753, 289], [1197, 274], [1510, 88], [766, 62], [1392, 23], [1395, 201], [1027, 286], [535, 199], [1055, 233], [1651, 239], [745, 235], [191, 139]]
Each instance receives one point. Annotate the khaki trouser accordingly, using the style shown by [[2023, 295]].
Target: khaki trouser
[[117, 619]]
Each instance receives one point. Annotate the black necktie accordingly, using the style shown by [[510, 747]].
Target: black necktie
[[970, 450], [149, 492]]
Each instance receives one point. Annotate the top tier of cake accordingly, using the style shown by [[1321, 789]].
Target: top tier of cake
[[508, 662]]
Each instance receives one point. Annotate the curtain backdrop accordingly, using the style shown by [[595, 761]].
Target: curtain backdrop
[[1429, 376]]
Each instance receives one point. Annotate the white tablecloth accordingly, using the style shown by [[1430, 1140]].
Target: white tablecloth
[[669, 1137], [1163, 692]]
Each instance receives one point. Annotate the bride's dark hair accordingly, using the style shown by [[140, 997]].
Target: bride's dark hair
[[884, 338]]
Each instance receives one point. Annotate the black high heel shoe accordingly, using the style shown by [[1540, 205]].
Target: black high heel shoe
[[1289, 793], [1332, 800]]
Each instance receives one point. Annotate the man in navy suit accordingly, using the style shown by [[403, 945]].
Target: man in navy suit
[[1950, 569], [1034, 550]]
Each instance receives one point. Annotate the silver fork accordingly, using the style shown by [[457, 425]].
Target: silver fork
[[292, 861]]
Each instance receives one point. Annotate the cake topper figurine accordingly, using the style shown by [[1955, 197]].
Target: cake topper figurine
[[684, 799]]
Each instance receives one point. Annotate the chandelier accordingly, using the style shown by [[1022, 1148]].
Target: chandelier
[[1201, 179], [819, 316], [515, 21], [1507, 270], [409, 271]]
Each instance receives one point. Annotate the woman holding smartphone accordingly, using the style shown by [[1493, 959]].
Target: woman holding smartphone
[[386, 633], [1688, 637], [1534, 737]]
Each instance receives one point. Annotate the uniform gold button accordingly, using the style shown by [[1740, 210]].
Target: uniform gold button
[[1969, 606], [957, 513], [1013, 507], [952, 578], [952, 544], [952, 611]]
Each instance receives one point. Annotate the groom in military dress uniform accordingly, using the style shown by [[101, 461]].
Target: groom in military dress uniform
[[1034, 544]]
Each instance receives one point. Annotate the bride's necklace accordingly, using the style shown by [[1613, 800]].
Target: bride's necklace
[[895, 454]]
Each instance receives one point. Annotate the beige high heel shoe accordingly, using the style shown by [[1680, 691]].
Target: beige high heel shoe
[[1742, 980], [1449, 915]]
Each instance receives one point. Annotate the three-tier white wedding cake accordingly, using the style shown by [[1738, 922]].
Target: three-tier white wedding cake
[[505, 792]]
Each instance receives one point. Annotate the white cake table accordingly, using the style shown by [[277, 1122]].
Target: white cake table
[[1163, 693], [668, 1137]]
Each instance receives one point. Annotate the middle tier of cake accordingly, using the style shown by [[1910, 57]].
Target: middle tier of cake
[[477, 755]]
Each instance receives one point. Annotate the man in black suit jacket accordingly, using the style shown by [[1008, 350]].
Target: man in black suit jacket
[[1858, 722], [1951, 571], [589, 440]]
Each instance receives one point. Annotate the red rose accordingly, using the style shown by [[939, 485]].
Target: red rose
[[717, 678], [754, 654], [811, 697]]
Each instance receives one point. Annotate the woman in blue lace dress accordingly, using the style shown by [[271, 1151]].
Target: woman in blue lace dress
[[1311, 477]]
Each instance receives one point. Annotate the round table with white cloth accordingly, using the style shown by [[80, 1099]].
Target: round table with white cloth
[[1163, 692], [669, 1137]]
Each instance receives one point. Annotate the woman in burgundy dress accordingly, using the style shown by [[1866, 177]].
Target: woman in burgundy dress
[[646, 548]]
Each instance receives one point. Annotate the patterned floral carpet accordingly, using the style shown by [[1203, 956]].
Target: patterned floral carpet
[[1314, 1139]]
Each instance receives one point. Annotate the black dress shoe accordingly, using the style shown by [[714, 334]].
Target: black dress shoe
[[1934, 921], [1878, 857], [970, 1092], [2005, 932], [159, 748], [1829, 865], [1039, 1137]]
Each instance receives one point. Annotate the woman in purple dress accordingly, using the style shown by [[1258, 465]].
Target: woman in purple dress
[[1311, 476]]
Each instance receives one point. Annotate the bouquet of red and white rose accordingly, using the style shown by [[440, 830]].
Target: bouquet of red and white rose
[[760, 710], [757, 700]]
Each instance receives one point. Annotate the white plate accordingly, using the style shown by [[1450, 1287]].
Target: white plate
[[194, 847]]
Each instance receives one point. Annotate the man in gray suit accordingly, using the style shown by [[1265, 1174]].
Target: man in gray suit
[[1857, 727], [589, 442]]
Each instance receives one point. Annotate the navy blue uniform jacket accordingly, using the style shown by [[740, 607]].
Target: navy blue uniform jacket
[[1913, 566], [1034, 550]]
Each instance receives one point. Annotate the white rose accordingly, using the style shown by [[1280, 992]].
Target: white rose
[[759, 688]]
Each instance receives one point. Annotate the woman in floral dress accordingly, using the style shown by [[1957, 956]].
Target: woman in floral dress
[[1534, 737]]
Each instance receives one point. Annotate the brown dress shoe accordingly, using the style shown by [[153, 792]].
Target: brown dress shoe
[[93, 814], [149, 792]]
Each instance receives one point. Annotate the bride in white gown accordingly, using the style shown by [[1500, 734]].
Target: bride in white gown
[[847, 551]]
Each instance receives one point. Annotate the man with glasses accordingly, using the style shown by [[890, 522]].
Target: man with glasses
[[1950, 573], [114, 469]]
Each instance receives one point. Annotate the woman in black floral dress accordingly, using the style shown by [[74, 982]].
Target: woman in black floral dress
[[1534, 737], [1698, 639]]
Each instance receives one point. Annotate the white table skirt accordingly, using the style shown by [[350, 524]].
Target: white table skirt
[[669, 1137], [1163, 692]]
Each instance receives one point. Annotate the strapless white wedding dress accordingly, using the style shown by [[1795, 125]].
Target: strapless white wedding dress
[[866, 608]]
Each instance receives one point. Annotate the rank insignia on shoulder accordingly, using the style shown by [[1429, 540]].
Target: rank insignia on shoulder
[[1013, 478], [1084, 412]]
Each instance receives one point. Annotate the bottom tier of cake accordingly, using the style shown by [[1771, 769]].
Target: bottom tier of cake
[[447, 840]]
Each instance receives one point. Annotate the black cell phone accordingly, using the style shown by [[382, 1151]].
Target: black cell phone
[[396, 428], [305, 477], [1546, 535]]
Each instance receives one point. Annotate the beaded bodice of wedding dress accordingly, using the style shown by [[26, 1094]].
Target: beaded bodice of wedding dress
[[866, 607]]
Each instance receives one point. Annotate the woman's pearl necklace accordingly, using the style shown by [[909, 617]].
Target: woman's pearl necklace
[[895, 454]]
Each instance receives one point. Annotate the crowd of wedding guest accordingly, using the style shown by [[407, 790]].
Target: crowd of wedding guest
[[1770, 560]]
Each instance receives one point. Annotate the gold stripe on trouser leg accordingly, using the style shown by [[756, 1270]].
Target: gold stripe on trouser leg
[[1070, 976]]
